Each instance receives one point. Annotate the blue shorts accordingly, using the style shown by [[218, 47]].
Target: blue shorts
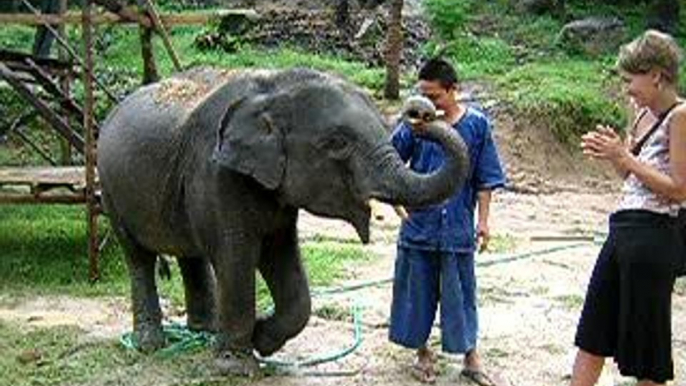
[[422, 280]]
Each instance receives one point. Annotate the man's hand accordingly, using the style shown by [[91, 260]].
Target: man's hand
[[483, 237]]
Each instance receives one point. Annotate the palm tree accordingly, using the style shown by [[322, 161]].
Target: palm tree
[[394, 49]]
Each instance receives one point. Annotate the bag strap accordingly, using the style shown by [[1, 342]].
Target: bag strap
[[636, 149]]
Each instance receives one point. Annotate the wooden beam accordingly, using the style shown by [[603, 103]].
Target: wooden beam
[[18, 198], [65, 176], [162, 30], [170, 19]]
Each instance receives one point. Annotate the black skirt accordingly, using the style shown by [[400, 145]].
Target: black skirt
[[627, 311]]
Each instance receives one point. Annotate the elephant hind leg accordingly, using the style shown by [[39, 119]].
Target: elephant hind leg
[[147, 314], [200, 293]]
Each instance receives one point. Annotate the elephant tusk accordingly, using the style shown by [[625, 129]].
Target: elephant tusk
[[401, 212], [377, 212]]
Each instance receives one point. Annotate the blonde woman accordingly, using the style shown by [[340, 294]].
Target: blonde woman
[[627, 312]]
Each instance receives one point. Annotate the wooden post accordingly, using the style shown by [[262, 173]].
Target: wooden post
[[89, 127], [150, 74], [162, 30], [65, 82]]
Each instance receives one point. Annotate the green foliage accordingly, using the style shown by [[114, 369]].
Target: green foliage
[[518, 55], [477, 57], [570, 97], [448, 17], [16, 38]]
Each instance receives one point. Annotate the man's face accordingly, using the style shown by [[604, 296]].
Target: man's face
[[439, 95]]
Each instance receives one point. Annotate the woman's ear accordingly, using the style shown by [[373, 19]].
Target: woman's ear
[[250, 142], [657, 77]]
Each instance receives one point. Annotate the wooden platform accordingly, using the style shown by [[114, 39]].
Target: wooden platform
[[36, 185]]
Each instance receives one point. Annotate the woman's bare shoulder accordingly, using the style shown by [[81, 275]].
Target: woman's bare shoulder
[[678, 121]]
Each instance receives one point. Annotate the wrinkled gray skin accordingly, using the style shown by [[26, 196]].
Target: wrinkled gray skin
[[212, 166]]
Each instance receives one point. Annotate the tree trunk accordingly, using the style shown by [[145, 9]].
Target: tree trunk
[[342, 14], [664, 15], [394, 49]]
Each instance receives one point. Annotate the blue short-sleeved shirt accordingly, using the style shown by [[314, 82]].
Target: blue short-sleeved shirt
[[449, 226]]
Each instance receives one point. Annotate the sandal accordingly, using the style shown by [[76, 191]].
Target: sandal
[[477, 376]]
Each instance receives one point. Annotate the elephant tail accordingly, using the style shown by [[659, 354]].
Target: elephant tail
[[164, 267]]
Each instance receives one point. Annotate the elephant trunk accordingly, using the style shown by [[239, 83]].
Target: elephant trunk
[[396, 184]]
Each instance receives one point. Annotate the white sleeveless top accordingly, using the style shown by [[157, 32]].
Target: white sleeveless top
[[655, 152]]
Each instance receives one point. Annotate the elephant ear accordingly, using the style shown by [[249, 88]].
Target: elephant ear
[[250, 143]]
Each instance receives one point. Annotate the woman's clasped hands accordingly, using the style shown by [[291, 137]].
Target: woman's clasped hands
[[604, 143]]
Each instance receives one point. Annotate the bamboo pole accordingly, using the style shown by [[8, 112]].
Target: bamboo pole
[[162, 30], [65, 83], [89, 128]]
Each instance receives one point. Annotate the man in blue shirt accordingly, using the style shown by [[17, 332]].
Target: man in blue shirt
[[435, 262]]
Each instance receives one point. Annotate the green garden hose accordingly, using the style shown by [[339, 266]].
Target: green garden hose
[[184, 340]]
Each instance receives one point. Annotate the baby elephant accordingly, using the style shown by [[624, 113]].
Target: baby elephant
[[212, 166]]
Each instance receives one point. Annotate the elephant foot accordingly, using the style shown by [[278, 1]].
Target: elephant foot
[[266, 342], [238, 363], [150, 339]]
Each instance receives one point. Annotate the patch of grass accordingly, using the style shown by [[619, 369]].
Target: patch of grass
[[59, 356], [333, 312], [326, 261], [497, 353], [51, 356], [502, 243], [16, 38], [569, 97], [44, 252], [553, 349], [448, 17], [570, 302]]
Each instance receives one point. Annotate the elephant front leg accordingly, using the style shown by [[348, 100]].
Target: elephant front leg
[[235, 272], [282, 269]]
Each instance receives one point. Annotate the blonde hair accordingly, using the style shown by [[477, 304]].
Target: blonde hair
[[651, 50]]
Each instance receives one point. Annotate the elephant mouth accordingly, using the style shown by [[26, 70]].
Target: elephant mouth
[[360, 221]]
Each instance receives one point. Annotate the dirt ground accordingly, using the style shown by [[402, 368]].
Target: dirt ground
[[529, 304]]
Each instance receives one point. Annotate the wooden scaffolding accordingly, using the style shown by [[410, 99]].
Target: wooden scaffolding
[[43, 84]]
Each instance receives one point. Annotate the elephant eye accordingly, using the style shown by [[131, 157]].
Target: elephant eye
[[337, 145]]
